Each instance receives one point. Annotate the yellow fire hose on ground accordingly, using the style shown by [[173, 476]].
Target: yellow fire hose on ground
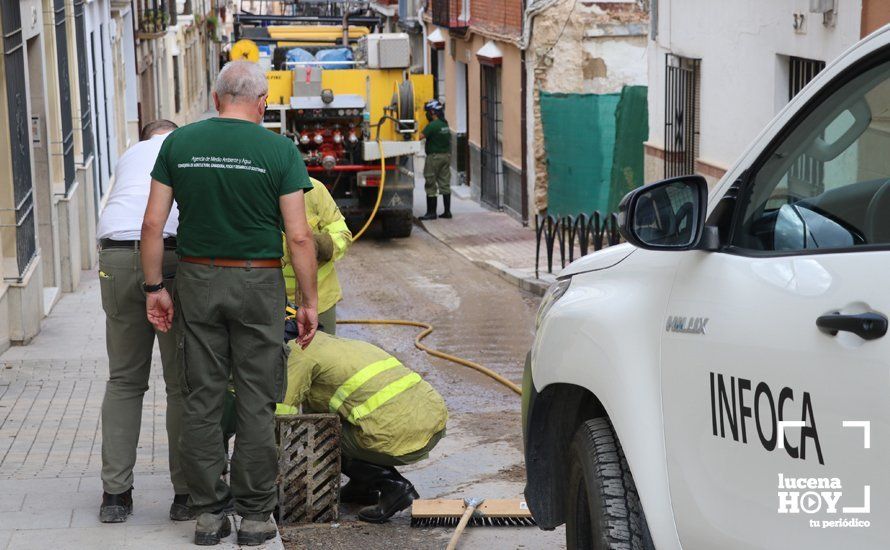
[[427, 330]]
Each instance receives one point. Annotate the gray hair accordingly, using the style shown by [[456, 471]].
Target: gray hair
[[241, 81], [157, 127]]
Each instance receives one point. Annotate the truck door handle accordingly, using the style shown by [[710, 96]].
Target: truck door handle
[[868, 326]]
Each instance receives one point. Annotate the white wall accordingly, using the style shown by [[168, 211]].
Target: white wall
[[97, 15], [743, 83]]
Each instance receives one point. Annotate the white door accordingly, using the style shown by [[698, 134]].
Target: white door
[[809, 238]]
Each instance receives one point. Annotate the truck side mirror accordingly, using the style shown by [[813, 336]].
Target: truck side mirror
[[668, 215]]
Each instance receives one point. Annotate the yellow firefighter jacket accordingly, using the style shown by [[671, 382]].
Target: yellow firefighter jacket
[[394, 411], [324, 217]]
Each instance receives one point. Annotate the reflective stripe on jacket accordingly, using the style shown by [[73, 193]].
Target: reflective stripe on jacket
[[324, 217], [395, 410]]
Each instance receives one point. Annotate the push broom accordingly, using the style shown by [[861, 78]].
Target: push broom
[[470, 511]]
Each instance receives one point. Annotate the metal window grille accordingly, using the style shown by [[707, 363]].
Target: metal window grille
[[681, 115], [105, 109], [176, 96], [19, 140], [86, 121], [64, 92], [807, 175], [490, 160]]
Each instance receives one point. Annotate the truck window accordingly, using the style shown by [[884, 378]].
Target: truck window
[[827, 185]]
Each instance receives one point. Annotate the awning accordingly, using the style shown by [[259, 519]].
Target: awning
[[436, 39], [490, 54]]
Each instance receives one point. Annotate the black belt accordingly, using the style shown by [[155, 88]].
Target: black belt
[[169, 244]]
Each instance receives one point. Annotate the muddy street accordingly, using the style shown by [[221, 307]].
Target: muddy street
[[477, 316]]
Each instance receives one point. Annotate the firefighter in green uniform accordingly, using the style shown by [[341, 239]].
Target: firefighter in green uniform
[[332, 238], [437, 169], [390, 416]]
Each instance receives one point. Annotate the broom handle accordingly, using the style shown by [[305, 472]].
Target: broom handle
[[464, 519]]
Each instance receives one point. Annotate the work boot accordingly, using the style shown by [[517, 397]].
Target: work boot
[[430, 209], [446, 201], [363, 477], [396, 494], [254, 532], [116, 508], [180, 509], [358, 493], [211, 527]]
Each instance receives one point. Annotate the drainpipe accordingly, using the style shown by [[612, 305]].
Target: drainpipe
[[346, 25], [426, 50]]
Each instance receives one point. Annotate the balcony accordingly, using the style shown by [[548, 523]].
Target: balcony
[[152, 23], [447, 13]]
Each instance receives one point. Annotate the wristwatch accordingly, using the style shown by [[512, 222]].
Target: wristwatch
[[148, 289]]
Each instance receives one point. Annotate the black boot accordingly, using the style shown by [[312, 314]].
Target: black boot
[[363, 477], [180, 509], [430, 209], [116, 508], [396, 494], [446, 201]]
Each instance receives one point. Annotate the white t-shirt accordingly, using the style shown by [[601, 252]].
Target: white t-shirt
[[121, 219]]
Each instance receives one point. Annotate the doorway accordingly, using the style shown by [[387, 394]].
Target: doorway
[[492, 136], [462, 144], [42, 191]]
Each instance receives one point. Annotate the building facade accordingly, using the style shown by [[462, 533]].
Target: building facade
[[707, 101], [586, 66], [71, 74], [474, 50]]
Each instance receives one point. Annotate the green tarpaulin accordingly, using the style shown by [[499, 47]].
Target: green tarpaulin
[[594, 147]]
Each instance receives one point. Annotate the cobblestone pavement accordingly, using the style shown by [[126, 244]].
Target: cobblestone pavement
[[50, 442]]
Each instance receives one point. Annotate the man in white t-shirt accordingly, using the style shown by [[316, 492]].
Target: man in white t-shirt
[[129, 336]]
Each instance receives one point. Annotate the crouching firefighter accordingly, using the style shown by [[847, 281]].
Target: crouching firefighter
[[390, 416]]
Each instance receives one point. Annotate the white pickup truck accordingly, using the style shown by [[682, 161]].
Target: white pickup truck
[[722, 381]]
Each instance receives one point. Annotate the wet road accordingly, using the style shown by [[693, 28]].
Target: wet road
[[477, 316]]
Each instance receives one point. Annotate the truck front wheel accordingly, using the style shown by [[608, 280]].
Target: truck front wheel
[[603, 508]]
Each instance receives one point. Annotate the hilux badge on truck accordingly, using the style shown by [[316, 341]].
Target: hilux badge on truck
[[687, 325]]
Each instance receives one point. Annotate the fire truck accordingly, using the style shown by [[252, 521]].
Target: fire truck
[[347, 97]]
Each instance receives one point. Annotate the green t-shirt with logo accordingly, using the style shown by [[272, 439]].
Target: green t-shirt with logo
[[227, 176], [438, 137]]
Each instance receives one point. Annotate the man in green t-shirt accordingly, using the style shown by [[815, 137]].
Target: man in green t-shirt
[[236, 184], [437, 169]]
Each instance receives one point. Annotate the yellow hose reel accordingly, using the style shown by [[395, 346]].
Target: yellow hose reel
[[244, 50]]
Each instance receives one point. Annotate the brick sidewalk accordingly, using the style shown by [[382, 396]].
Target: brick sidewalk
[[492, 240], [50, 441]]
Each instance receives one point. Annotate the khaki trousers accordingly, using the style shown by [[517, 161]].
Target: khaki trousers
[[129, 338], [437, 174], [229, 324]]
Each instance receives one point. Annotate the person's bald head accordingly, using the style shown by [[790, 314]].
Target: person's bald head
[[241, 90]]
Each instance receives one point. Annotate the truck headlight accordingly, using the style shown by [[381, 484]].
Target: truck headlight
[[554, 293]]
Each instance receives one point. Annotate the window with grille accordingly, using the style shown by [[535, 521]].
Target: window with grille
[[19, 140], [807, 176], [681, 115]]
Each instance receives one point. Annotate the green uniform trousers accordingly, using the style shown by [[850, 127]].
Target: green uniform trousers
[[351, 448], [327, 320], [229, 323], [129, 338], [437, 174]]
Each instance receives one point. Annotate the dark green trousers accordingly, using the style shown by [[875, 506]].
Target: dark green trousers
[[129, 339], [229, 322]]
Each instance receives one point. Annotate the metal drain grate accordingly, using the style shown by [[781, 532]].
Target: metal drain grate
[[308, 468]]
